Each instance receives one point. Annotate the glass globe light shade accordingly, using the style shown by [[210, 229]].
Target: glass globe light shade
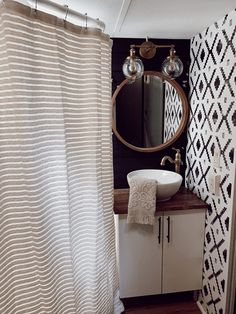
[[133, 67], [172, 66]]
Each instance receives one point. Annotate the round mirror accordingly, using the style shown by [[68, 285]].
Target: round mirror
[[149, 114]]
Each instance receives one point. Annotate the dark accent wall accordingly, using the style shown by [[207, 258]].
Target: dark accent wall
[[125, 159]]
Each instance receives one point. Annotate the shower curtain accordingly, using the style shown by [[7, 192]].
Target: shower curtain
[[57, 246]]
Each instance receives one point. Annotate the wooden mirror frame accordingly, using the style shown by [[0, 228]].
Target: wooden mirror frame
[[180, 129]]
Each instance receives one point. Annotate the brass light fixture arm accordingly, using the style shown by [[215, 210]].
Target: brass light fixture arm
[[148, 49], [153, 46]]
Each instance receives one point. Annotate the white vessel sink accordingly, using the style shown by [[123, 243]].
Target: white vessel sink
[[168, 182]]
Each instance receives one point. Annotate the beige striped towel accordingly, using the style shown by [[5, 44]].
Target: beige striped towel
[[142, 201]]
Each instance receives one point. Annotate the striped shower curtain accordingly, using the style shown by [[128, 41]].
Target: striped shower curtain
[[57, 250]]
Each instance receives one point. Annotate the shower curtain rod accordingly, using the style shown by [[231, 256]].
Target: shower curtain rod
[[63, 12]]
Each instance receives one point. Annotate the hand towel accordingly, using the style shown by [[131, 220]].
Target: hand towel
[[142, 201]]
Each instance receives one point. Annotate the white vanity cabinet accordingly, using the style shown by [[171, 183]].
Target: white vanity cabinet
[[182, 254], [140, 258], [164, 258]]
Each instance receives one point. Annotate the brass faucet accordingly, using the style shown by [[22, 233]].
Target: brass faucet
[[177, 160]]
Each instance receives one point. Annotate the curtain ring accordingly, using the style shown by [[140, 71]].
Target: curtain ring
[[103, 29], [36, 6], [67, 9], [86, 20]]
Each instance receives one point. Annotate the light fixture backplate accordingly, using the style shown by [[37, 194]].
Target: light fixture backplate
[[147, 50]]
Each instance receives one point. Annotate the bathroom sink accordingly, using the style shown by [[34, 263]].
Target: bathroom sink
[[168, 182]]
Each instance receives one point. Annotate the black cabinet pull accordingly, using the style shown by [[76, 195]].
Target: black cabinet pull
[[168, 230], [159, 232]]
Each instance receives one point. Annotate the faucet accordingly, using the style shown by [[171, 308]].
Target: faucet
[[177, 160]]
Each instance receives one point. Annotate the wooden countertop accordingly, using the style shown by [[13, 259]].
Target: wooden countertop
[[182, 200]]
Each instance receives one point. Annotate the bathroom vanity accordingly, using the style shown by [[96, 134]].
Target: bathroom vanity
[[166, 257]]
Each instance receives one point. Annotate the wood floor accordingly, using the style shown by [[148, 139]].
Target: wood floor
[[168, 304]]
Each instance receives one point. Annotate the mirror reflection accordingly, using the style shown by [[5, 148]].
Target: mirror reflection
[[148, 112]]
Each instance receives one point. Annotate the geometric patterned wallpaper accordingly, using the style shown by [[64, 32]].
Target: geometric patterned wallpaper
[[212, 129], [173, 111]]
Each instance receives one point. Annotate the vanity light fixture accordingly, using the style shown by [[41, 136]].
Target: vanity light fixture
[[172, 66], [133, 67]]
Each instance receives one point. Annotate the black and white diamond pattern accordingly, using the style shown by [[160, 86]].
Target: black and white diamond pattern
[[173, 111], [212, 126]]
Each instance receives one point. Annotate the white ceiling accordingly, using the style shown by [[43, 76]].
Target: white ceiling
[[153, 18]]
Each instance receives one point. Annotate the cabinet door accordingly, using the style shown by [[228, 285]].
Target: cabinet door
[[183, 239], [140, 258]]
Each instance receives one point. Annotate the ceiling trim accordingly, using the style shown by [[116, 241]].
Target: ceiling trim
[[122, 15]]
